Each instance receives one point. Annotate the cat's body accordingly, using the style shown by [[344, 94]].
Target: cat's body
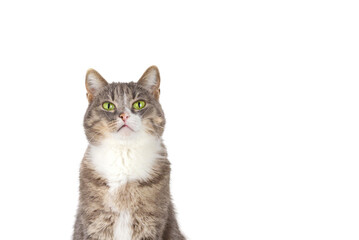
[[125, 174]]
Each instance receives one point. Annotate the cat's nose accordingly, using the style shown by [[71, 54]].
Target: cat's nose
[[124, 116]]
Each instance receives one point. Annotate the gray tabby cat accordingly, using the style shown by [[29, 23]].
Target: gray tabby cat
[[125, 173]]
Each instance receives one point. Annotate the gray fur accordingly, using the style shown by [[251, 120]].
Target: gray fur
[[150, 201]]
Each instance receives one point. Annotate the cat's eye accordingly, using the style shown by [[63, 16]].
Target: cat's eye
[[139, 105], [108, 106]]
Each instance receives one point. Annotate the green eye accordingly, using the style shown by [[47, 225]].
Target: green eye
[[108, 106], [139, 105]]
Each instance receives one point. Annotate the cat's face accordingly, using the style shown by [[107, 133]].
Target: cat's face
[[124, 111]]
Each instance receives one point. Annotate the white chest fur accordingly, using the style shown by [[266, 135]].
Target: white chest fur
[[123, 227], [122, 161]]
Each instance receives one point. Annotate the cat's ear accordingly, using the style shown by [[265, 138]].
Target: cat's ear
[[151, 81], [94, 82]]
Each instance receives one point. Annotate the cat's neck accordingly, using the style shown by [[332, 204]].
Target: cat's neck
[[120, 161]]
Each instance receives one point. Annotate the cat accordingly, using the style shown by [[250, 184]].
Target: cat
[[125, 173]]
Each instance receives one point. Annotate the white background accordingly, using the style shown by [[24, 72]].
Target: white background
[[261, 100]]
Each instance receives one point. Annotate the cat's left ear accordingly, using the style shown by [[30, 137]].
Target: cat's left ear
[[94, 83], [151, 81]]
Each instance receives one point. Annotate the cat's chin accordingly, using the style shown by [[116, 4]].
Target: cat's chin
[[127, 136], [125, 131]]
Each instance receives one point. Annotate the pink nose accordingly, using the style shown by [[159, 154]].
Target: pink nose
[[124, 116]]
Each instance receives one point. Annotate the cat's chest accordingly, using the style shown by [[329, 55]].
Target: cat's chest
[[120, 163], [123, 227]]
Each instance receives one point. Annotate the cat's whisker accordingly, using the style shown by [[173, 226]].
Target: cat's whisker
[[145, 111], [94, 135], [108, 116], [157, 125], [112, 124]]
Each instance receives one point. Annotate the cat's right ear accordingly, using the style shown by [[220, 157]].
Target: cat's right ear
[[94, 82]]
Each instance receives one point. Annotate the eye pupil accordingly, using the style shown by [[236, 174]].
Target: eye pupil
[[139, 105], [108, 106]]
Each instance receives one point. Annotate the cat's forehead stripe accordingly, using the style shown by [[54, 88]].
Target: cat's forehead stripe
[[112, 95], [124, 97], [117, 92], [121, 86], [140, 95]]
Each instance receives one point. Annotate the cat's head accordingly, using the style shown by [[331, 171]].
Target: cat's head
[[123, 111]]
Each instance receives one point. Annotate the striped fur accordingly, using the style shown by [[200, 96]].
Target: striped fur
[[125, 173]]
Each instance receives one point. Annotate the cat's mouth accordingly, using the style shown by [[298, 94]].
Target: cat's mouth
[[124, 126]]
